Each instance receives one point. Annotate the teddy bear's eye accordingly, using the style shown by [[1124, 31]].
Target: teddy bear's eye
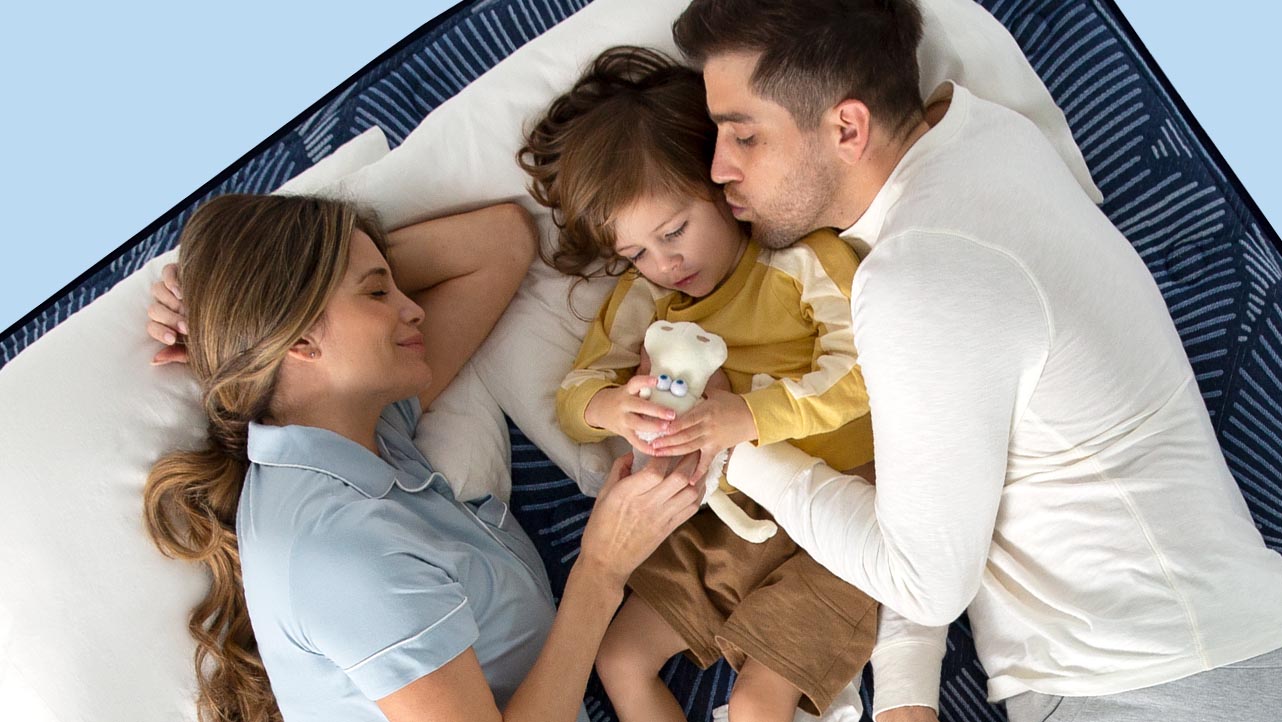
[[679, 388], [665, 382]]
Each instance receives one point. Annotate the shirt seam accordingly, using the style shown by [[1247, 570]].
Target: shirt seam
[[1025, 274], [403, 642]]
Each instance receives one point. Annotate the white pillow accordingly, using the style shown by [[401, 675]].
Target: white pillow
[[322, 176], [462, 157], [93, 618]]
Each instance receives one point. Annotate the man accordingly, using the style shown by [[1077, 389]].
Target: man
[[1044, 458]]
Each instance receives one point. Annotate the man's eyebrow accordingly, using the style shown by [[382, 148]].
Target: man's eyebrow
[[720, 118]]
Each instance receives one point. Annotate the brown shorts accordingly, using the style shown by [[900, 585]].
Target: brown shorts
[[730, 598]]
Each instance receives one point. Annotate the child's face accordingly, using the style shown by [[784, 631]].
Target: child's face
[[682, 243]]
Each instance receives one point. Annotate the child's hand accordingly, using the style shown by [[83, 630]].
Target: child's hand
[[621, 410], [721, 421]]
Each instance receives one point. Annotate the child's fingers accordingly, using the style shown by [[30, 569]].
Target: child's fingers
[[641, 424], [639, 382], [637, 405], [687, 444]]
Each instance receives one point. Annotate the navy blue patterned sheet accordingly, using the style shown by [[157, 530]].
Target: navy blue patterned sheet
[[1215, 259]]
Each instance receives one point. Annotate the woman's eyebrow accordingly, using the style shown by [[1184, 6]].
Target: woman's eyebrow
[[373, 272]]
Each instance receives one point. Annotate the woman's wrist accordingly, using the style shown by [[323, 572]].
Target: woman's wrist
[[595, 579]]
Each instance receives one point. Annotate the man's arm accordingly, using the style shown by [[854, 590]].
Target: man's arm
[[952, 337]]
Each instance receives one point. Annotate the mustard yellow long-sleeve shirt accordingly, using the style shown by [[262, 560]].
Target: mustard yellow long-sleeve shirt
[[783, 313]]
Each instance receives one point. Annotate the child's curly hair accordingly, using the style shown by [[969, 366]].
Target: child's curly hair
[[635, 124]]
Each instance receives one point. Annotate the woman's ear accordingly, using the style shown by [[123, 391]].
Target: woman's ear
[[850, 122], [304, 349]]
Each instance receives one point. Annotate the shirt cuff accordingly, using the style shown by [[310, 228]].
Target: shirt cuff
[[392, 668], [906, 674], [765, 472], [572, 404]]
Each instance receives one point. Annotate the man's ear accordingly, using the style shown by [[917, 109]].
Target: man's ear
[[850, 122]]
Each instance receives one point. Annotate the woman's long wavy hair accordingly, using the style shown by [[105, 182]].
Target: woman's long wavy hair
[[256, 273]]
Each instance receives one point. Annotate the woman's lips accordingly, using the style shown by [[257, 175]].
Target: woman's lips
[[415, 343]]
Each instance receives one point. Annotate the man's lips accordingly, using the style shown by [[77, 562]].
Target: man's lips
[[415, 342]]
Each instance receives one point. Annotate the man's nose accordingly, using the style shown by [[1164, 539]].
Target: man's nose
[[724, 168]]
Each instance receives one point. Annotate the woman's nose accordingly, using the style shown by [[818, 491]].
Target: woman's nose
[[410, 311]]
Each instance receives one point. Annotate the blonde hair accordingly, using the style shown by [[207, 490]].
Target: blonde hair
[[256, 274]]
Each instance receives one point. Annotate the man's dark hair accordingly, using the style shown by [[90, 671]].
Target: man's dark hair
[[816, 53]]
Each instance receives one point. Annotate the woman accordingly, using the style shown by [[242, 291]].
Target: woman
[[372, 591]]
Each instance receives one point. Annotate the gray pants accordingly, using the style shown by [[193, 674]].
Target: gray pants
[[1246, 691]]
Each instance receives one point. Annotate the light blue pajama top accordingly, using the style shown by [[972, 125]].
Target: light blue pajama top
[[363, 573]]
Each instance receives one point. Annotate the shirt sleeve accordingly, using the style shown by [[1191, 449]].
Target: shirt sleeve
[[610, 354], [952, 336], [832, 394], [906, 663], [371, 603]]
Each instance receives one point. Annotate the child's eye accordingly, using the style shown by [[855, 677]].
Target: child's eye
[[637, 257], [677, 233], [750, 140]]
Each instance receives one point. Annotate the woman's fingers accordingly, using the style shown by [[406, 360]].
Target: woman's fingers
[[169, 276], [169, 355], [171, 320]]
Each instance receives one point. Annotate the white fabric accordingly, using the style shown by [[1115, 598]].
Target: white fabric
[[461, 157], [1044, 458]]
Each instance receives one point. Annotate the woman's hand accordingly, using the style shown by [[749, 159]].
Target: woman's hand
[[622, 411], [167, 317], [719, 422], [634, 512]]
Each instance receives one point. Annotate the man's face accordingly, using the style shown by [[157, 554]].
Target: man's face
[[780, 178]]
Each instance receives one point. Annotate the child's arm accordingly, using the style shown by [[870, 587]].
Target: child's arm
[[830, 396], [599, 397]]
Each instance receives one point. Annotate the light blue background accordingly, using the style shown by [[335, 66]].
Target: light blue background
[[114, 112]]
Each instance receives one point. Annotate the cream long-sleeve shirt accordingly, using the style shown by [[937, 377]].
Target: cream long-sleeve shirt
[[1044, 458]]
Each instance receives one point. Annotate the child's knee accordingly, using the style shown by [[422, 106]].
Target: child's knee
[[619, 657]]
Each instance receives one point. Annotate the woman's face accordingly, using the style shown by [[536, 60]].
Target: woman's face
[[368, 341], [685, 244]]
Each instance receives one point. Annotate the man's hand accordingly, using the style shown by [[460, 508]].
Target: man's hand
[[722, 420]]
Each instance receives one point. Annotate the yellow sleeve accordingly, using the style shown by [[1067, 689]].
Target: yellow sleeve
[[610, 354], [821, 268]]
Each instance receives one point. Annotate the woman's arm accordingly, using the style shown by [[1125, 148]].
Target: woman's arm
[[463, 270], [631, 516]]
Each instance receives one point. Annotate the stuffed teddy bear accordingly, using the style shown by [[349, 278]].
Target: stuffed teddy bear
[[683, 356]]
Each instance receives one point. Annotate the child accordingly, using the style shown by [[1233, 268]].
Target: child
[[623, 159]]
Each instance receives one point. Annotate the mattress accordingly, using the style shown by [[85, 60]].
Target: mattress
[[1215, 258]]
